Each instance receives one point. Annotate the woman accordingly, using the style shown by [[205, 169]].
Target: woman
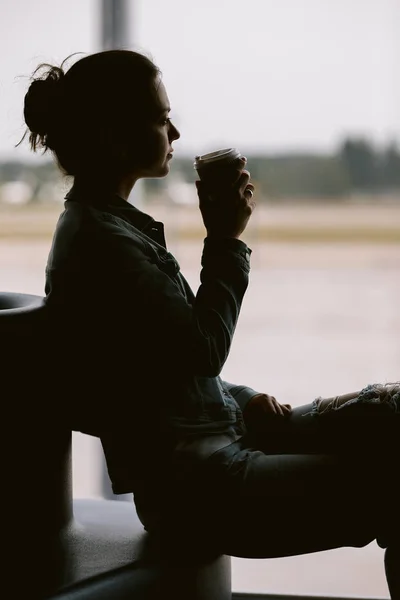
[[233, 470]]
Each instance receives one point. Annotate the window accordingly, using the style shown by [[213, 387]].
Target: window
[[306, 91]]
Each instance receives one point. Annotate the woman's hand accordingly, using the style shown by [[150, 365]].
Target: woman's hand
[[264, 406], [227, 210]]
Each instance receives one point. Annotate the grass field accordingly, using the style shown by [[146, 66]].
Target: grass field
[[372, 223]]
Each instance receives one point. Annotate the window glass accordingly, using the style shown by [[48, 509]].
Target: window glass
[[309, 92]]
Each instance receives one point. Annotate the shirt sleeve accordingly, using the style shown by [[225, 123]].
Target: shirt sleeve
[[241, 393]]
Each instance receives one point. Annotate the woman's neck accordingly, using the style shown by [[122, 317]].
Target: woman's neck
[[125, 186], [121, 186]]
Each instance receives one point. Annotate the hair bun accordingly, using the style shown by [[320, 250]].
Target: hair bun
[[41, 103]]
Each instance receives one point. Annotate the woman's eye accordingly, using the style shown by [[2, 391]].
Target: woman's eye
[[166, 121]]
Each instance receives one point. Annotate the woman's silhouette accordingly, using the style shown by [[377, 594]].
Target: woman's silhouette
[[222, 466]]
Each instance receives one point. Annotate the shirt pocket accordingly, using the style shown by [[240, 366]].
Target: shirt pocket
[[169, 264], [166, 262]]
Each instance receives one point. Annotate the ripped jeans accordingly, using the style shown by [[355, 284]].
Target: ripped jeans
[[323, 478]]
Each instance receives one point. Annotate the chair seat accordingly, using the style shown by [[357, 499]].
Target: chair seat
[[106, 554], [104, 535]]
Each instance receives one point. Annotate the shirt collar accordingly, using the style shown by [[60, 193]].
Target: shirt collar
[[113, 203]]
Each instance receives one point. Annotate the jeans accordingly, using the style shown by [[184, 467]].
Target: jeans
[[306, 483]]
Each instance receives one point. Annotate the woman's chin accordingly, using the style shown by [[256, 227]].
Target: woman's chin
[[157, 171], [163, 170]]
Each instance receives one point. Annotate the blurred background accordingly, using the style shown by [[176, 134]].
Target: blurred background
[[309, 91]]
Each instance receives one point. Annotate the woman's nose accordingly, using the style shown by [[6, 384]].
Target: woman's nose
[[174, 134]]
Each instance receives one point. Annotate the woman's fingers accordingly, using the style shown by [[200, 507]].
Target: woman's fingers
[[243, 182], [241, 162], [272, 405]]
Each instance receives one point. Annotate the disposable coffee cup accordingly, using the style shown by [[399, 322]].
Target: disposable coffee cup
[[219, 167]]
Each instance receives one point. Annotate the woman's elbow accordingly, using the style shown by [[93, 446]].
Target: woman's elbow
[[209, 363]]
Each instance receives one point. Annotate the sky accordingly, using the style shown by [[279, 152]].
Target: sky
[[263, 75]]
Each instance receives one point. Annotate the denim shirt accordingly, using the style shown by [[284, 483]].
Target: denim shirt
[[141, 354]]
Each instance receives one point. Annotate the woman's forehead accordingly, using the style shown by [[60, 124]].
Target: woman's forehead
[[162, 97]]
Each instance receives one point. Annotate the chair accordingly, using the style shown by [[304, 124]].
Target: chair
[[65, 548]]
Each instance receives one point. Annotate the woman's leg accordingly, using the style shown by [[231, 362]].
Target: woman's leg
[[312, 482], [283, 505], [392, 569], [360, 422], [335, 462]]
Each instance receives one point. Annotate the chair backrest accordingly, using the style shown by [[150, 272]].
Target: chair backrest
[[18, 310], [39, 458]]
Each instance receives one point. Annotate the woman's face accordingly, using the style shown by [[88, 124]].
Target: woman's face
[[156, 149]]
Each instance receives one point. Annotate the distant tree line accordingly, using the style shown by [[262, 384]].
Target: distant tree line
[[357, 167]]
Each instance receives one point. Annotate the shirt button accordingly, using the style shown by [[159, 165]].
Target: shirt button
[[247, 256]]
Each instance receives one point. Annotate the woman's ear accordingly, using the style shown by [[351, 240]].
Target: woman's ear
[[113, 148]]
